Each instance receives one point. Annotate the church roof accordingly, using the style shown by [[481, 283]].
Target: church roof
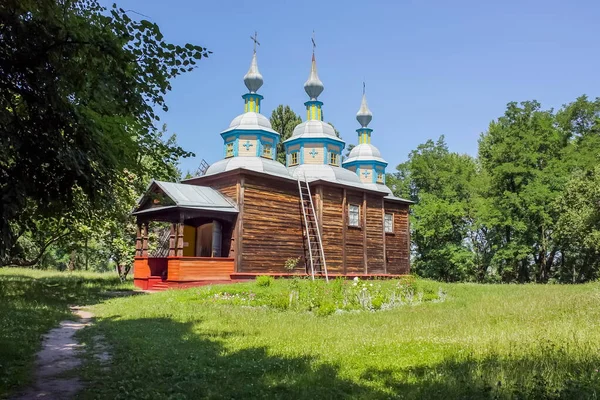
[[258, 164]]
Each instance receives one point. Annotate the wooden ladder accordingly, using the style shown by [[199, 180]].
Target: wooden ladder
[[316, 255]]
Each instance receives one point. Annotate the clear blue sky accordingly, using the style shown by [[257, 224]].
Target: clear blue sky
[[432, 67]]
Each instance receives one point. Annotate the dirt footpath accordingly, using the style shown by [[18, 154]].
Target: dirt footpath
[[53, 377]]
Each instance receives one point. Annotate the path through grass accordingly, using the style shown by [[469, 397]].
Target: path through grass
[[31, 303], [484, 341]]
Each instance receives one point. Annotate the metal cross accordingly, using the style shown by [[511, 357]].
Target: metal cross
[[366, 172], [313, 153], [313, 41], [254, 39], [364, 87], [247, 145]]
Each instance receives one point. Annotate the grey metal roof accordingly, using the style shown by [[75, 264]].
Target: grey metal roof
[[251, 121], [314, 129], [191, 196], [364, 152], [259, 164], [325, 172], [253, 79]]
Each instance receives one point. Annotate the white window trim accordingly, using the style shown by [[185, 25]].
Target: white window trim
[[384, 225], [357, 225]]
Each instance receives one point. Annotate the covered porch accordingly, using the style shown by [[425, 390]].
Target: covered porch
[[184, 237]]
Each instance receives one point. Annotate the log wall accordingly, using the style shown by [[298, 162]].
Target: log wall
[[333, 227], [397, 244], [374, 235], [272, 226], [355, 263]]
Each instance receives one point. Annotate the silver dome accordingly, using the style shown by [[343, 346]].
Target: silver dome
[[252, 163], [364, 115], [364, 152], [251, 121], [314, 129], [313, 86], [253, 79]]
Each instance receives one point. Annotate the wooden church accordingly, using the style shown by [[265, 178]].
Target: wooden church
[[250, 215]]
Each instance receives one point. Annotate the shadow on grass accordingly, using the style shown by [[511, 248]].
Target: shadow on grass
[[31, 306], [160, 358]]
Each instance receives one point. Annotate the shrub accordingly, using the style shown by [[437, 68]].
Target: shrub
[[291, 263], [264, 280]]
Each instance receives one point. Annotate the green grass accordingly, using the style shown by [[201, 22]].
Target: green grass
[[243, 341], [33, 302]]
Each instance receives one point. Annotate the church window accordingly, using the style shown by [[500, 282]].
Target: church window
[[380, 177], [229, 150], [389, 223], [353, 215], [267, 151], [333, 158], [294, 158]]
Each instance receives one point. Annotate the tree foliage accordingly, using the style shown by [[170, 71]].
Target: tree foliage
[[284, 120], [78, 88], [525, 210]]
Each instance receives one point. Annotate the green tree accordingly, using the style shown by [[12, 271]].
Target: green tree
[[440, 182], [522, 154], [578, 227], [79, 85], [284, 120]]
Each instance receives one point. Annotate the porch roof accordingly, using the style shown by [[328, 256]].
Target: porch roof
[[188, 197]]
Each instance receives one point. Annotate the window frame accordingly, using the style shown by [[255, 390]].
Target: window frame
[[335, 156], [385, 214], [380, 174], [350, 224], [228, 147], [296, 154], [265, 147]]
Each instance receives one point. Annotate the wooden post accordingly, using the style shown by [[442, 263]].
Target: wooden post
[[383, 229], [240, 227], [179, 251], [138, 241], [344, 227], [407, 240], [145, 240], [173, 240], [364, 226]]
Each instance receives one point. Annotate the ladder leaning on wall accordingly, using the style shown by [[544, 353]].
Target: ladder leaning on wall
[[314, 244]]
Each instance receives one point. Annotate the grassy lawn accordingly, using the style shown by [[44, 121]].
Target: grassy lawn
[[285, 341], [31, 303]]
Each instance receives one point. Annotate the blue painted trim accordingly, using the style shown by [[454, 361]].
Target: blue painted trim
[[236, 147], [325, 155], [371, 163], [239, 132], [301, 160], [333, 141], [250, 95], [314, 102]]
